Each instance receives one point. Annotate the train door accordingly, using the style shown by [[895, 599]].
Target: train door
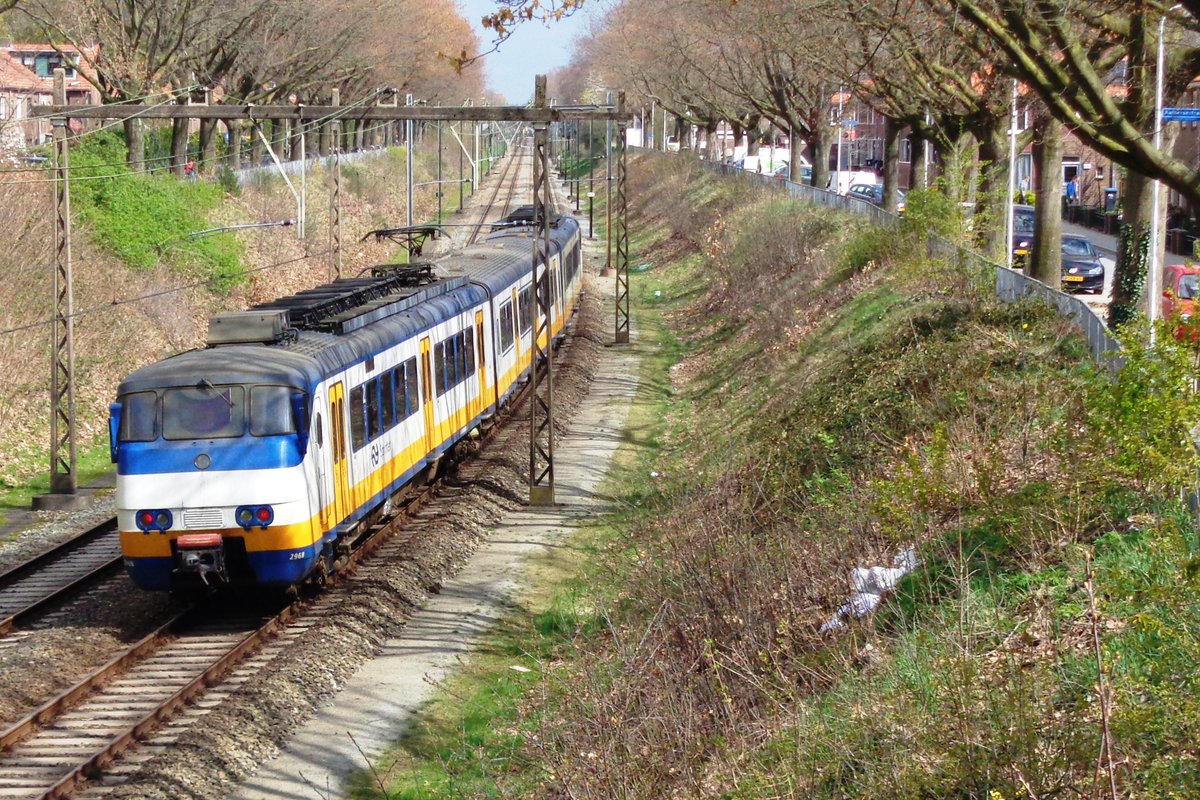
[[322, 447], [480, 355], [341, 461], [427, 395]]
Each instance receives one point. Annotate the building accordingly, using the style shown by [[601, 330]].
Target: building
[[26, 81]]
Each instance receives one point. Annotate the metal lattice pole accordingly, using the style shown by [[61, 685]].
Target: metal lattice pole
[[608, 182], [62, 378], [622, 287], [541, 405]]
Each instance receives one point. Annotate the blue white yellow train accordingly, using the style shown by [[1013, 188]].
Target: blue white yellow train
[[255, 460]]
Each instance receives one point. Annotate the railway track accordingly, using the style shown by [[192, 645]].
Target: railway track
[[508, 179], [145, 696], [30, 589]]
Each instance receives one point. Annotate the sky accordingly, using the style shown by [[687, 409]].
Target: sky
[[533, 49]]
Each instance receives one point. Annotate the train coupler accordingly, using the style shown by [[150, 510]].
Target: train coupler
[[202, 555]]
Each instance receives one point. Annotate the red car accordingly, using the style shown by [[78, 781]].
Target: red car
[[1181, 286]]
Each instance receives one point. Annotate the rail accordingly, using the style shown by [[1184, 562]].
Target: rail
[[1011, 285]]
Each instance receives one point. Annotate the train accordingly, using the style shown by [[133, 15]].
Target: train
[[256, 460]]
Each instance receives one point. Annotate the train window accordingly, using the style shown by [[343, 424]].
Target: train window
[[388, 400], [460, 358], [139, 417], [320, 431], [468, 352], [440, 367], [271, 411], [204, 412], [373, 429], [526, 311], [358, 436], [412, 397], [506, 327], [404, 404]]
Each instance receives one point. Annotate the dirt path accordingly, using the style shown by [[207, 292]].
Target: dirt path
[[386, 694]]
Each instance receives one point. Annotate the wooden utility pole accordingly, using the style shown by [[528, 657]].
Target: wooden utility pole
[[541, 405]]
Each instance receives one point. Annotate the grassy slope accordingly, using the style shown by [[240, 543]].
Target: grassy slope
[[837, 398]]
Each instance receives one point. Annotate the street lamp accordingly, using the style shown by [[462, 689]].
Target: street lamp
[[1012, 177], [1154, 280]]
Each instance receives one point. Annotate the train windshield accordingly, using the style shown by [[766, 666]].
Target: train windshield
[[204, 412]]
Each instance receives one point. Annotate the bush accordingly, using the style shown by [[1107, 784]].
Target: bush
[[145, 219]]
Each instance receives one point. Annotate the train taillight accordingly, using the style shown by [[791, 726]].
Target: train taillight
[[154, 519], [249, 516]]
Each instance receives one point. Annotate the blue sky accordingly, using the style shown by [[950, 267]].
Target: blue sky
[[534, 48]]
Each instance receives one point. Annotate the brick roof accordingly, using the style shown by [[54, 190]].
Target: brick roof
[[15, 76]]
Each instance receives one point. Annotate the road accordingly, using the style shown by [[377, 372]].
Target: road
[[1107, 245]]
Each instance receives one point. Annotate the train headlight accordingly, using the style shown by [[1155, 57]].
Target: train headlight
[[249, 516], [154, 519]]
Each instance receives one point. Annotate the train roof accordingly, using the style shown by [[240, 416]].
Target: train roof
[[302, 356], [319, 331]]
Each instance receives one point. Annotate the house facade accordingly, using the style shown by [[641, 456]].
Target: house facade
[[27, 81]]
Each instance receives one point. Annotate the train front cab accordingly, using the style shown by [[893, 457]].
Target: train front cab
[[212, 485]]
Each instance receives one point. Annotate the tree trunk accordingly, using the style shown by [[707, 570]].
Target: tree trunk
[[1130, 278], [256, 145], [234, 153], [821, 142], [208, 146], [891, 165], [135, 142], [179, 143], [918, 158], [993, 185], [296, 131], [710, 143], [796, 155], [1045, 262], [358, 136]]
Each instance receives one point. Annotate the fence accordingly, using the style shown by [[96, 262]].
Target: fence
[[247, 176], [1011, 285]]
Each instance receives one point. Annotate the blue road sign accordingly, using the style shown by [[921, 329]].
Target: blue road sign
[[1181, 114]]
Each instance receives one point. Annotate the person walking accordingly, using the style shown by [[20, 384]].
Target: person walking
[[1072, 191], [189, 170]]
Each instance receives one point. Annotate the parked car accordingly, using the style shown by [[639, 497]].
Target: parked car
[[873, 194], [1081, 267], [1022, 241], [1181, 286], [805, 176]]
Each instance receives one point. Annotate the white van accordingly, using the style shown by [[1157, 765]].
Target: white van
[[847, 178]]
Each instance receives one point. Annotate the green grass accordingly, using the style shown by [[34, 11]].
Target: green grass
[[93, 462]]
